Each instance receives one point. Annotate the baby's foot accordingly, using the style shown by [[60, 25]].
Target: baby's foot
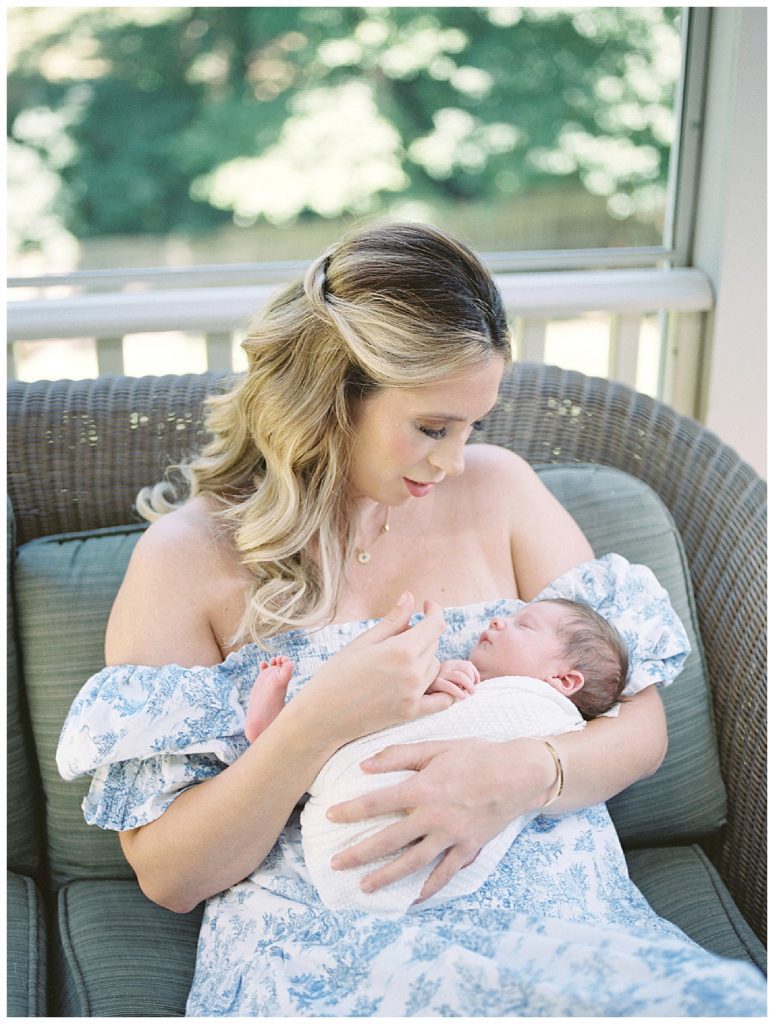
[[268, 695]]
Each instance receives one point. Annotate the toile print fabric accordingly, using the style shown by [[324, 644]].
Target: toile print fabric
[[557, 929]]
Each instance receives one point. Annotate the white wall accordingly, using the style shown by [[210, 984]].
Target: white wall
[[730, 237]]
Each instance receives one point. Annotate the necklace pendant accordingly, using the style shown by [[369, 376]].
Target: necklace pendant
[[363, 557]]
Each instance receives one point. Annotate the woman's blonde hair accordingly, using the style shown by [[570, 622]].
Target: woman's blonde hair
[[393, 306]]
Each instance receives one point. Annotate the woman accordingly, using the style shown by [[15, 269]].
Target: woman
[[332, 492]]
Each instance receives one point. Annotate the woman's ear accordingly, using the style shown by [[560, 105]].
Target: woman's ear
[[568, 683]]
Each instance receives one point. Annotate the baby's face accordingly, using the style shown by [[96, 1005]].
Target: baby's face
[[526, 644]]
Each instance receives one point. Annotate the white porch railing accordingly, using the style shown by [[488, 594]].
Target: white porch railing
[[199, 301]]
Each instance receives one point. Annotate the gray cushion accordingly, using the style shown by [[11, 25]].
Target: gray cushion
[[26, 935], [24, 819], [123, 955], [681, 885], [66, 586], [685, 798]]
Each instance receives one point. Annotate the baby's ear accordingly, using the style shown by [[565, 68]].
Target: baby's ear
[[569, 682]]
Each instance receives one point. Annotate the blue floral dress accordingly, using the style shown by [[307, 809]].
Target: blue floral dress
[[557, 930]]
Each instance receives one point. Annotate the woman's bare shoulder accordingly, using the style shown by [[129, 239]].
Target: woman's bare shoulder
[[179, 572], [189, 525], [545, 540], [499, 471], [497, 484], [485, 456]]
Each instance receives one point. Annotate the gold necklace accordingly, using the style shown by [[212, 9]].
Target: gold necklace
[[364, 556]]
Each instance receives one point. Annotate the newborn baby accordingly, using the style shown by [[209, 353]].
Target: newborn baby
[[537, 673]]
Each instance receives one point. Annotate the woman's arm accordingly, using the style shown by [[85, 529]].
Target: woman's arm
[[218, 831], [611, 753]]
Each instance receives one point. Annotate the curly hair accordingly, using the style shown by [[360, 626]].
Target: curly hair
[[390, 306]]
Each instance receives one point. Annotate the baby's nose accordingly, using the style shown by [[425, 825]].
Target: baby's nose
[[496, 624]]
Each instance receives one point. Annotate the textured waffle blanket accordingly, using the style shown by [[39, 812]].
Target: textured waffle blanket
[[500, 709]]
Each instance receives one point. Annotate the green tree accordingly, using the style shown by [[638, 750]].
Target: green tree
[[183, 118]]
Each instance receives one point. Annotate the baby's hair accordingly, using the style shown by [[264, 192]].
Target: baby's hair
[[598, 651]]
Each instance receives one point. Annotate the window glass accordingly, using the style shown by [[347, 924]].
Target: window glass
[[181, 135]]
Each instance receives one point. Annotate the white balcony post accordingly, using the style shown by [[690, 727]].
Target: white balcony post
[[681, 385], [624, 348], [532, 340], [110, 356], [219, 351], [11, 361]]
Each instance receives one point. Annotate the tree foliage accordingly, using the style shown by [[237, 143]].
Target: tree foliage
[[185, 118]]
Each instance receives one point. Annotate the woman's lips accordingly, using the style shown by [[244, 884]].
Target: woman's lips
[[415, 489]]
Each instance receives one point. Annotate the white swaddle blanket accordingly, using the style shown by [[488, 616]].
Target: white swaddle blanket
[[500, 709]]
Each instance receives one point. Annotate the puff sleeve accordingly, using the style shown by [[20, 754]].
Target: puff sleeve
[[630, 597], [147, 733]]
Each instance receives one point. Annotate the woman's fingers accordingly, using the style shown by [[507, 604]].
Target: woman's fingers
[[390, 800], [448, 686], [453, 861], [384, 842], [423, 637], [394, 627], [395, 622], [432, 702], [404, 756], [413, 859]]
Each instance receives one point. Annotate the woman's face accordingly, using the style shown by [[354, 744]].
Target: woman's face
[[408, 441]]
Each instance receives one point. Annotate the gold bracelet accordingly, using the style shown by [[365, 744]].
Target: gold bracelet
[[559, 775]]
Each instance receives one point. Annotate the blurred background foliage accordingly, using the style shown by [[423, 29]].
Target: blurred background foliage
[[256, 132]]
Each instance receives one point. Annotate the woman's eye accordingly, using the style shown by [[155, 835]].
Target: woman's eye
[[479, 425], [435, 434]]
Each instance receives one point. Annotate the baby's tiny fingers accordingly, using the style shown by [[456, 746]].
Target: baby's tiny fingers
[[462, 679], [447, 686]]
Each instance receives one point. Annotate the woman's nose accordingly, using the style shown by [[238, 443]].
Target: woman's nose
[[450, 458]]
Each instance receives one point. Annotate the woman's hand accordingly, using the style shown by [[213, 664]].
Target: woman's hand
[[377, 680], [463, 793]]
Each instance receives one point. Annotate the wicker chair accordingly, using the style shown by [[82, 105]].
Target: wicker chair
[[79, 452]]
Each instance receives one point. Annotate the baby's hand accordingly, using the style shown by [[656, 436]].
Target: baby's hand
[[457, 678]]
